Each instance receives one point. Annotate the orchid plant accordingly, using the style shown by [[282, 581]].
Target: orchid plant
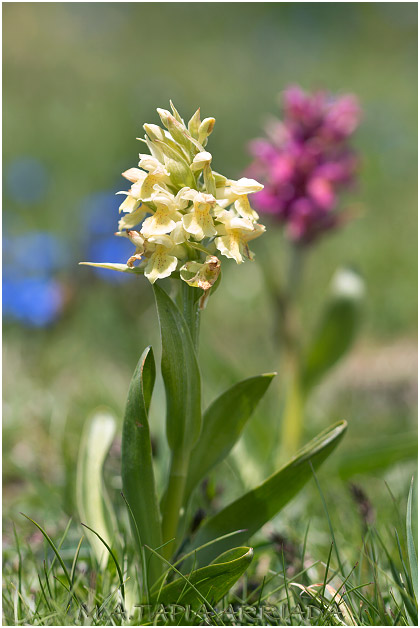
[[183, 219], [305, 162]]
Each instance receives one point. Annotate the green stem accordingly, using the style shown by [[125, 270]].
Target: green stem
[[173, 500], [191, 311], [171, 508], [289, 338]]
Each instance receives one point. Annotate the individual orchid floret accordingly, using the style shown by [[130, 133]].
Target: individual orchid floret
[[130, 203], [178, 212], [237, 192], [139, 242], [306, 161], [167, 212], [201, 275], [164, 258], [199, 221], [234, 233], [132, 219], [157, 175]]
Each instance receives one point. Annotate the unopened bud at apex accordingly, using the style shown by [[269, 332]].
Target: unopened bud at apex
[[194, 124], [154, 132], [205, 128]]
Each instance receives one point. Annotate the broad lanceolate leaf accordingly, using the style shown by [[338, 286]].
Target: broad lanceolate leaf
[[93, 502], [250, 512], [208, 584], [181, 375], [223, 422], [337, 328], [137, 465]]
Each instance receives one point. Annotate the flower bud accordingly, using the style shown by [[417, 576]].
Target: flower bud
[[194, 124], [176, 114], [200, 160], [180, 174], [154, 132], [205, 129]]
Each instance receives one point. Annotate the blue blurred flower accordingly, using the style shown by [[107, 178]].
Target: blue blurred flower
[[33, 301], [31, 293], [44, 252], [26, 180]]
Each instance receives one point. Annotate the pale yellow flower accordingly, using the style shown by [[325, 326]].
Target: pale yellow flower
[[201, 275], [128, 221], [130, 203], [179, 235], [234, 234], [164, 259], [139, 242], [237, 192], [157, 174], [167, 212], [184, 207], [199, 221]]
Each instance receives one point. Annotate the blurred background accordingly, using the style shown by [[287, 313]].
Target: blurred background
[[79, 80]]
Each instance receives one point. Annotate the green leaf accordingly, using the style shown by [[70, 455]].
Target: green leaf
[[223, 423], [411, 548], [385, 451], [208, 584], [122, 268], [138, 479], [336, 330], [251, 511], [93, 502], [180, 374]]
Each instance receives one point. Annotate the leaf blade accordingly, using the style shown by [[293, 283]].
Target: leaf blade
[[93, 501], [137, 471], [237, 403], [336, 330], [180, 374], [255, 508], [211, 582]]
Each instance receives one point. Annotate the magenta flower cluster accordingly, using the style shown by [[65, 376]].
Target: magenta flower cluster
[[305, 161]]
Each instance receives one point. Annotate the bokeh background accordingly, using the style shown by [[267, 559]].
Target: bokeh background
[[79, 80]]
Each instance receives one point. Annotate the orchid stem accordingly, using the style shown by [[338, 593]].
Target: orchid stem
[[172, 505], [288, 325], [191, 311], [173, 501]]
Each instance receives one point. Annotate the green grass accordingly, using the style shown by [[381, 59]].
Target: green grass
[[331, 576]]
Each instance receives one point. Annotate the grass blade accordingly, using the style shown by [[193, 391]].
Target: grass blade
[[412, 555], [113, 558]]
